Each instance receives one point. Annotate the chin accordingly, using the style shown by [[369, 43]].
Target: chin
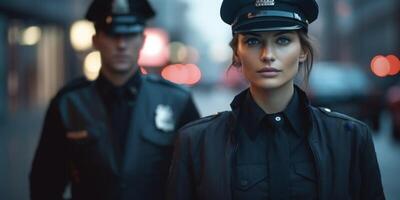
[[268, 84], [122, 68]]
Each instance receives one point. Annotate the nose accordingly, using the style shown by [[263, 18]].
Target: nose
[[121, 42], [267, 55]]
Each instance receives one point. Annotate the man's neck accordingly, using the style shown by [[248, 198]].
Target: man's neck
[[118, 79]]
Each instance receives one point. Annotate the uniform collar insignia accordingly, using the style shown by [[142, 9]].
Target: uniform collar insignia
[[120, 7], [261, 3], [164, 118]]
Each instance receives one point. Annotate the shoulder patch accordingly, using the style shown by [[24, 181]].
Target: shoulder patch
[[160, 80]]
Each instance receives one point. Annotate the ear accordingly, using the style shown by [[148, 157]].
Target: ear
[[303, 55]]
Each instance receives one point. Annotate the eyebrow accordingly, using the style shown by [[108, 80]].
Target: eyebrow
[[283, 32], [276, 34]]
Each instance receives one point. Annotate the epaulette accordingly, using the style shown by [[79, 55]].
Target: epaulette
[[74, 84], [158, 79], [331, 113], [203, 119]]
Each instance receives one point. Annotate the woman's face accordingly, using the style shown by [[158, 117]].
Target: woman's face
[[270, 60]]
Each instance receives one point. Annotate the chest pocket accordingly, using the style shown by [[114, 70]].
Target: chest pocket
[[251, 182], [304, 181]]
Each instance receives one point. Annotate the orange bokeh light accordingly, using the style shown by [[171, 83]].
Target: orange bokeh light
[[394, 64], [188, 74], [380, 66]]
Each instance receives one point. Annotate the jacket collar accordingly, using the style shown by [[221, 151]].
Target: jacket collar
[[128, 90], [299, 104]]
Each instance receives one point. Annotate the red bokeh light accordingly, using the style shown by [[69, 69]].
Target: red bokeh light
[[380, 66], [188, 74], [394, 64]]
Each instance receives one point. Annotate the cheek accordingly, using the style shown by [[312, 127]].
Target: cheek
[[135, 47], [248, 57], [290, 58]]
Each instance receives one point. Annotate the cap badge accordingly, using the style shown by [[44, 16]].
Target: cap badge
[[164, 118], [261, 3], [120, 7]]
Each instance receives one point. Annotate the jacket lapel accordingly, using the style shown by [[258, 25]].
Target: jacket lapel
[[102, 123]]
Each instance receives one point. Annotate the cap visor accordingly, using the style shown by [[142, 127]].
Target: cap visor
[[270, 24], [125, 29]]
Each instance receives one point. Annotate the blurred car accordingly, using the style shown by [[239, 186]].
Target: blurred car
[[346, 89], [393, 103]]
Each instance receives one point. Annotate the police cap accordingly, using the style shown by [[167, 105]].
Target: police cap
[[268, 15], [120, 17]]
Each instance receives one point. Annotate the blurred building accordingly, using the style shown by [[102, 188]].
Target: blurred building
[[35, 55]]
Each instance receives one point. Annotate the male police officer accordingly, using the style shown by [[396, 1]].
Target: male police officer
[[111, 138]]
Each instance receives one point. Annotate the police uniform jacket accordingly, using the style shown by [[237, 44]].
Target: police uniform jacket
[[78, 145], [342, 150]]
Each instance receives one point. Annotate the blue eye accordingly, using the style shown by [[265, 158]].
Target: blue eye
[[252, 41], [283, 41]]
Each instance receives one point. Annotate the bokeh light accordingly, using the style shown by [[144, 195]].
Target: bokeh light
[[380, 66], [188, 74], [31, 35], [178, 52], [81, 35], [193, 55], [155, 51], [92, 65], [394, 64]]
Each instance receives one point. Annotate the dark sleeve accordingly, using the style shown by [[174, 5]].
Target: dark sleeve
[[48, 176], [190, 113], [371, 185], [181, 180]]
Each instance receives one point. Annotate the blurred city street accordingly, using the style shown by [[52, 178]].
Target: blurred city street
[[356, 68], [19, 137]]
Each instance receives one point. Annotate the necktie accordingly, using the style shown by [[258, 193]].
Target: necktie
[[278, 159]]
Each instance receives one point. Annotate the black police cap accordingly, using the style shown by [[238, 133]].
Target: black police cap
[[268, 15], [120, 17]]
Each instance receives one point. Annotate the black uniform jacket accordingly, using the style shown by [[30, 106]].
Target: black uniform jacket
[[78, 146], [342, 149]]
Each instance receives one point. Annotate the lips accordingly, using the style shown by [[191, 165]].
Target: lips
[[268, 69], [121, 57]]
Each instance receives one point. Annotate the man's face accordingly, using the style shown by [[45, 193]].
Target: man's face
[[119, 53]]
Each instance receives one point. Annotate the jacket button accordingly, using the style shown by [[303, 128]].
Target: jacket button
[[244, 182]]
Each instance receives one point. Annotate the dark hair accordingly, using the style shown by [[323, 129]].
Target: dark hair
[[305, 42]]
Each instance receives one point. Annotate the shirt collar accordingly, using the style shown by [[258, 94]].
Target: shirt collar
[[107, 89], [296, 112]]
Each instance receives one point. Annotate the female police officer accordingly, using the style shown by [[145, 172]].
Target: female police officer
[[274, 144]]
